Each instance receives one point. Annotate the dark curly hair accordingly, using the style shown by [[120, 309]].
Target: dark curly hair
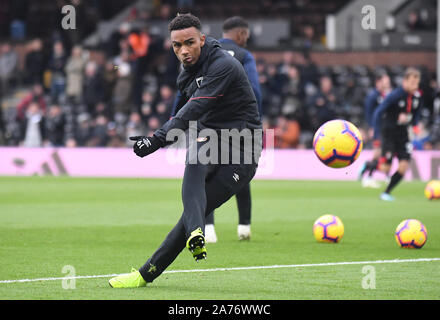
[[184, 21], [235, 22]]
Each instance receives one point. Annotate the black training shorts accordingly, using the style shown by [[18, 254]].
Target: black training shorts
[[396, 144]]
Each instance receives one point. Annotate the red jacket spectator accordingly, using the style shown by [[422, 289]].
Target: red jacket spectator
[[35, 95]]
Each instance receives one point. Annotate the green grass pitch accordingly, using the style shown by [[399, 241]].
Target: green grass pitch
[[106, 226]]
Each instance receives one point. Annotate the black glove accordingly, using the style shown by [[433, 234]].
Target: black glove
[[145, 145]]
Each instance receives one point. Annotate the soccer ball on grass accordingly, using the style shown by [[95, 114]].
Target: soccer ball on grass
[[432, 190], [411, 234], [328, 228]]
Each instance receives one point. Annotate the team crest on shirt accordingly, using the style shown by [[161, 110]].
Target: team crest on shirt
[[379, 99], [402, 103], [199, 81], [415, 103]]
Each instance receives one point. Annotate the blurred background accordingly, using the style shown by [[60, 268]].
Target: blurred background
[[114, 75]]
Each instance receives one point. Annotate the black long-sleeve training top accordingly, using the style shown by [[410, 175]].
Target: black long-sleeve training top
[[216, 93]]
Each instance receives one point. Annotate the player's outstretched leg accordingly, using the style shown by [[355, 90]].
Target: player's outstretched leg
[[220, 187], [395, 179], [130, 280], [167, 252], [187, 232], [362, 170]]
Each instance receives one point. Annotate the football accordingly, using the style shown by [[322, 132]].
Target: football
[[432, 190], [328, 228], [337, 143], [411, 233]]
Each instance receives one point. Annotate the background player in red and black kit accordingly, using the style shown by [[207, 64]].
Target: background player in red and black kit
[[392, 119], [372, 101]]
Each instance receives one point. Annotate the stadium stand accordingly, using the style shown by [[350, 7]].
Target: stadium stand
[[125, 83]]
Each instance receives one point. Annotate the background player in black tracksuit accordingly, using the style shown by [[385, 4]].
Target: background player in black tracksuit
[[216, 93], [235, 36], [392, 119], [372, 101]]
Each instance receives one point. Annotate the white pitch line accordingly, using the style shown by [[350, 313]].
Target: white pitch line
[[307, 265]]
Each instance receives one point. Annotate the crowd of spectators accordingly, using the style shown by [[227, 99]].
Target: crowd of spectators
[[75, 100], [77, 97]]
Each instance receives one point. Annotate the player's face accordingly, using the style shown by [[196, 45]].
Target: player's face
[[411, 84], [187, 45], [385, 83], [242, 37]]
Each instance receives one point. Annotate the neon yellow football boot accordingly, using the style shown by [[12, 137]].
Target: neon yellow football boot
[[196, 244], [128, 280]]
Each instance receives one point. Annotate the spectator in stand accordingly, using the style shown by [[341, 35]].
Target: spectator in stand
[[172, 65], [263, 79], [165, 104], [135, 127], [292, 91], [309, 72], [109, 77], [308, 37], [323, 104], [153, 124], [273, 87], [114, 43], [122, 93], [99, 137], [93, 90], [57, 64], [414, 23], [287, 132], [286, 63], [114, 136], [35, 95], [352, 96], [83, 131], [146, 109], [75, 73], [8, 66], [35, 62], [55, 124], [139, 42], [33, 133]]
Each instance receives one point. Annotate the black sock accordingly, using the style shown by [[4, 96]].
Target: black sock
[[395, 179], [372, 166], [210, 218]]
